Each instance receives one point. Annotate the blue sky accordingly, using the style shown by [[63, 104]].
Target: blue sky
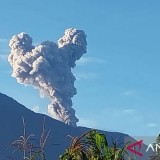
[[118, 79]]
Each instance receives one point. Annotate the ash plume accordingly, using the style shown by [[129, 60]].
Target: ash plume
[[47, 67]]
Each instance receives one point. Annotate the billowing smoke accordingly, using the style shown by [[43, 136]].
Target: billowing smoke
[[48, 68]]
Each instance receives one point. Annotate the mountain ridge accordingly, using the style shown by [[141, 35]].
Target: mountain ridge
[[11, 113]]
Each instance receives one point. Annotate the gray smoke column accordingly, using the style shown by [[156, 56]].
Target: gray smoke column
[[47, 67]]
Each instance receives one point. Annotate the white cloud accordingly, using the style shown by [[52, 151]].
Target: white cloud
[[45, 113], [128, 111], [86, 60], [87, 122], [121, 112], [35, 108], [152, 125], [4, 54], [117, 112], [36, 43], [3, 40], [4, 50], [129, 92], [80, 76], [3, 57]]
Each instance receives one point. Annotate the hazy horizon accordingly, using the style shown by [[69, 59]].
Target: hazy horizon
[[117, 79]]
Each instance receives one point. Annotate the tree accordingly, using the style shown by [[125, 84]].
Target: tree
[[156, 153]]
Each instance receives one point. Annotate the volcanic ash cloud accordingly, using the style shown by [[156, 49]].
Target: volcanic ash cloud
[[47, 67]]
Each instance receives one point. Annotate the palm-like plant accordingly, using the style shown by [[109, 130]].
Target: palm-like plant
[[78, 150], [93, 146]]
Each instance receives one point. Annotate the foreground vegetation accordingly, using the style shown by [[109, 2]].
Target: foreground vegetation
[[89, 146], [93, 146]]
